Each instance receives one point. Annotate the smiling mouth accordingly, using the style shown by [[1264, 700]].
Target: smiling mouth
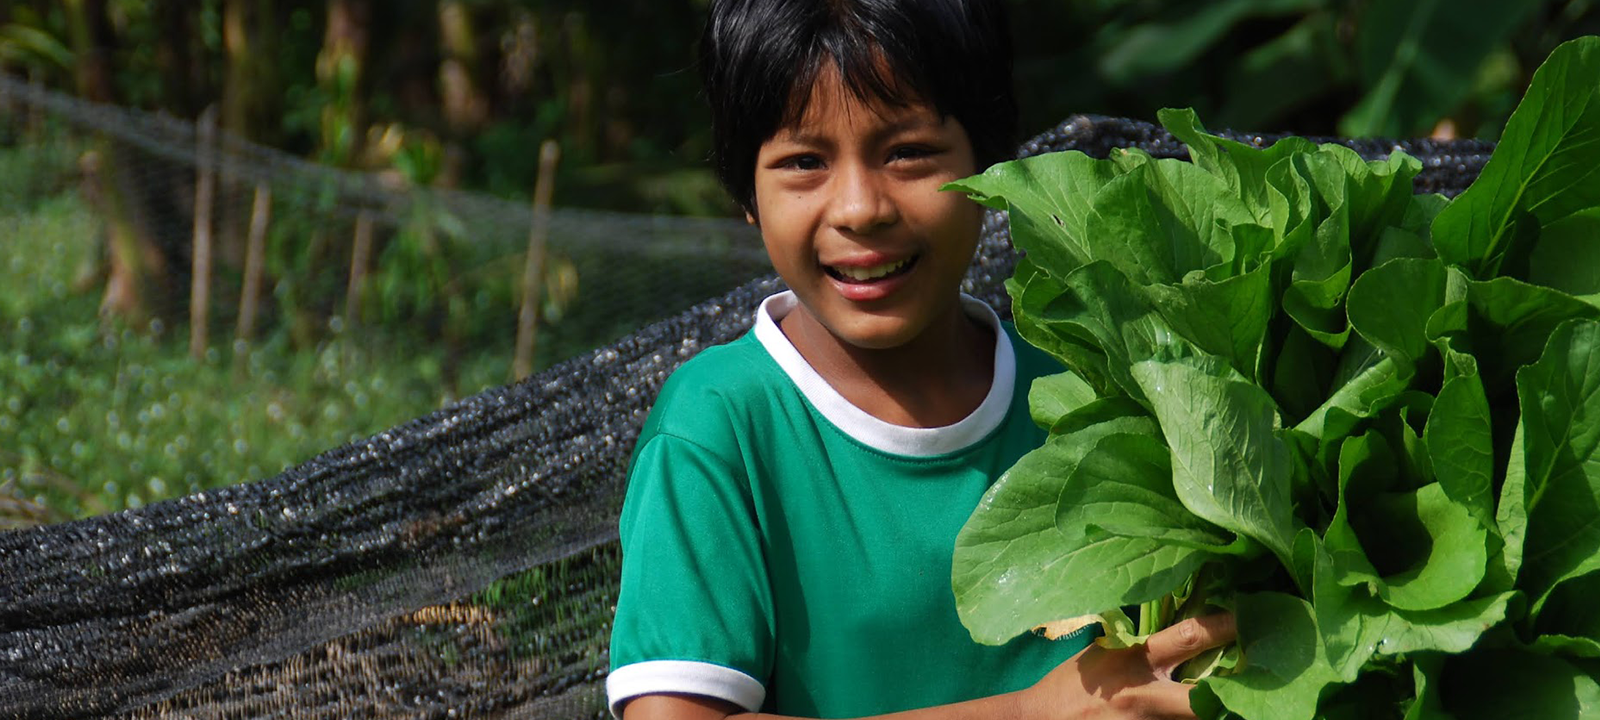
[[870, 274]]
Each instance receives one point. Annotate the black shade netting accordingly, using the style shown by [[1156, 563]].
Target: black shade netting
[[461, 565]]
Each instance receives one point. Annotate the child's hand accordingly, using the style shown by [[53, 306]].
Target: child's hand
[[1135, 683]]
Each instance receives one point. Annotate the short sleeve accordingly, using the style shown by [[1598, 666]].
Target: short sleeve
[[694, 614]]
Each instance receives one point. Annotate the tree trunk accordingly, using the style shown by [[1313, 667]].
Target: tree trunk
[[461, 90], [465, 105], [250, 109], [183, 87], [341, 73], [137, 284]]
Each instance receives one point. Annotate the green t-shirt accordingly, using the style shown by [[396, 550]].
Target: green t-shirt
[[786, 551]]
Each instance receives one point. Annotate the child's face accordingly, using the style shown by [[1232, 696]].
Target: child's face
[[853, 219]]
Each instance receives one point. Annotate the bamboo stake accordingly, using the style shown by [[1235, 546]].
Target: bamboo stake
[[254, 258], [533, 275], [205, 187], [360, 255]]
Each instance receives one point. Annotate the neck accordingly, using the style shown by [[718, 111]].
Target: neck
[[936, 379]]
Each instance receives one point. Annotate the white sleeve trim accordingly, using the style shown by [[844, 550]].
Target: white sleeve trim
[[682, 676]]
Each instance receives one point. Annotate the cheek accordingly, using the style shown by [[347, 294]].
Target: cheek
[[958, 218]]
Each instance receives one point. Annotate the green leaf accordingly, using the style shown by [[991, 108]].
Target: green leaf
[[1242, 168], [1566, 646], [1569, 612], [1227, 318], [1331, 209], [1415, 550], [1321, 277], [1372, 695], [1031, 288], [1163, 220], [1567, 257], [1054, 396], [1374, 383], [1418, 59], [1161, 47], [1460, 441], [1292, 205], [1429, 549], [24, 45], [1403, 425], [1509, 322], [1368, 462], [1544, 166], [1283, 74], [1560, 398], [1028, 556], [1507, 684], [1301, 374], [1048, 197], [1117, 408], [1511, 517], [1142, 504], [1377, 195], [1227, 464], [1390, 306], [1357, 625], [1425, 671], [1285, 669], [1099, 325]]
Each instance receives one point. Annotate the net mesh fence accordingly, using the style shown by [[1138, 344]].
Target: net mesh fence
[[605, 273], [463, 564]]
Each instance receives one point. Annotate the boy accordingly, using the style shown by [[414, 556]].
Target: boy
[[795, 495]]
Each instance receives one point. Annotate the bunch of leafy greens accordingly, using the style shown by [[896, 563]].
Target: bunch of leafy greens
[[1367, 421]]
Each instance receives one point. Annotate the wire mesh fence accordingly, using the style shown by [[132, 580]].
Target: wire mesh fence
[[321, 282], [440, 257]]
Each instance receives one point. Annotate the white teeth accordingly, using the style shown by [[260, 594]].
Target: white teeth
[[860, 274]]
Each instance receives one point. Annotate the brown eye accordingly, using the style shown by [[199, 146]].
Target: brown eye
[[910, 152], [804, 162]]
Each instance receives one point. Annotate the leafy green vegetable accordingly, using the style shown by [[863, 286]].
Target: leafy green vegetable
[[1050, 542], [1287, 666], [1560, 397], [1054, 397], [1508, 683], [1542, 171], [1227, 466], [1366, 420]]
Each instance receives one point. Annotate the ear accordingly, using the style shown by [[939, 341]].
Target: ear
[[751, 218]]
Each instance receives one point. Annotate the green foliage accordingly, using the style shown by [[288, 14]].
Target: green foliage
[[1388, 69], [96, 418], [37, 172], [24, 44], [1368, 419], [1418, 59]]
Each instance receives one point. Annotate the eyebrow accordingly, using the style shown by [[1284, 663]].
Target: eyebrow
[[906, 123]]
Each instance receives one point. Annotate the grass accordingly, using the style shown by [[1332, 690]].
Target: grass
[[95, 418]]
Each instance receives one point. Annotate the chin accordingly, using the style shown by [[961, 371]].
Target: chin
[[877, 334]]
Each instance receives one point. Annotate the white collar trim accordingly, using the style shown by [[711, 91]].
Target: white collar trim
[[876, 433]]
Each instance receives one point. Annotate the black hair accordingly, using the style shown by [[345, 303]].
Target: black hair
[[759, 59]]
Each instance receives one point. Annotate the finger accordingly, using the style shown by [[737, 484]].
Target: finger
[[1189, 638], [1164, 699]]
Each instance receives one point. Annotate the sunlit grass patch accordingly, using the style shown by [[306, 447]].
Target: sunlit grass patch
[[96, 418]]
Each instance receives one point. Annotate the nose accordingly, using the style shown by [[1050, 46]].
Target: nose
[[860, 202]]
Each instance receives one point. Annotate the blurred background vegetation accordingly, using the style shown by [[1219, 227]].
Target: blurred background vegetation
[[102, 408]]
